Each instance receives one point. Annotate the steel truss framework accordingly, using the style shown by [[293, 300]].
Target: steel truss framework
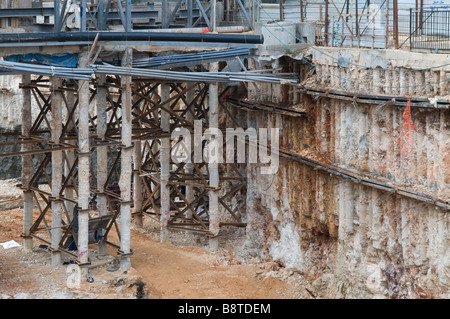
[[100, 14], [55, 137]]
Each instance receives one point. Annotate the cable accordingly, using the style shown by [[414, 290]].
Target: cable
[[334, 75]]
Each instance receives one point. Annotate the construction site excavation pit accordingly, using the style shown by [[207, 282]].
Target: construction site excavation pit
[[224, 150]]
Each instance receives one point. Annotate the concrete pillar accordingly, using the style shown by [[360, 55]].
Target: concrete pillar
[[69, 190], [336, 126], [334, 79], [387, 82], [83, 169], [412, 83], [189, 166], [27, 165], [376, 232], [443, 179], [57, 168], [436, 79], [126, 165], [405, 236], [403, 76], [396, 83], [213, 166], [443, 85], [363, 194], [429, 80], [377, 81], [164, 156], [102, 154], [363, 135], [420, 81]]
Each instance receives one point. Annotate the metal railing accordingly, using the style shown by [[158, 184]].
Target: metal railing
[[430, 29]]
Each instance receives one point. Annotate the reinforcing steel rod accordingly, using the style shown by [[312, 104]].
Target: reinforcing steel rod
[[87, 73]]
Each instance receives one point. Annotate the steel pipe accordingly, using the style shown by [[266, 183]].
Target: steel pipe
[[130, 36]]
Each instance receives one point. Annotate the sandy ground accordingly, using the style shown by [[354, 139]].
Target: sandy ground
[[175, 270]]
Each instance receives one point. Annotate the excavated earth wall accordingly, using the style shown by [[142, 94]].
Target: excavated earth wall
[[351, 239]]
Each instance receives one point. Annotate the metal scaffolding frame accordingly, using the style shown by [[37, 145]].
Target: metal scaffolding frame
[[100, 15], [103, 150]]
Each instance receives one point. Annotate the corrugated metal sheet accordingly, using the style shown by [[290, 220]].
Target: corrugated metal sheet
[[291, 11], [269, 12]]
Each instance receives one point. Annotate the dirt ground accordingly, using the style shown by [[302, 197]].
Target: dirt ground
[[175, 270]]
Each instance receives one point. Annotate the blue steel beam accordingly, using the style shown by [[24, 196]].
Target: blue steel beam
[[32, 12]]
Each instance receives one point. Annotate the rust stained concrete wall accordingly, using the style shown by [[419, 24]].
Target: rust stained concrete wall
[[352, 240]]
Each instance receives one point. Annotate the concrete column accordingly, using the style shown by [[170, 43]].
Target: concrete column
[[403, 83], [420, 80], [69, 189], [57, 168], [443, 179], [334, 80], [377, 81], [164, 156], [126, 163], [396, 83], [443, 84], [376, 231], [83, 169], [213, 166], [412, 83], [102, 154], [428, 80], [436, 85], [405, 236], [349, 207], [189, 166], [27, 165], [363, 194], [386, 82]]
